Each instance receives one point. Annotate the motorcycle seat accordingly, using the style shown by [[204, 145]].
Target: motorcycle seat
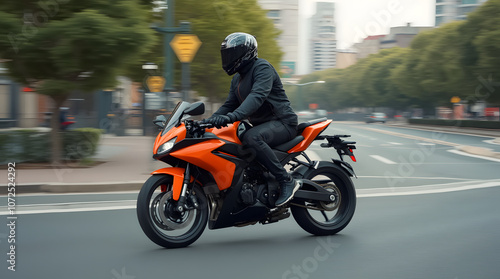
[[302, 126], [289, 144]]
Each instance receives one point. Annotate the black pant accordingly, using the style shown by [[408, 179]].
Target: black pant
[[261, 138]]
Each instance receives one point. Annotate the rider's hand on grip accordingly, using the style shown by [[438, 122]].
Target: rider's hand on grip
[[219, 121]]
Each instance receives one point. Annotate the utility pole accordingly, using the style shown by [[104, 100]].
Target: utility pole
[[169, 31]]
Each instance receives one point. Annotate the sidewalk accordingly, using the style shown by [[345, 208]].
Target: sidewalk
[[474, 150], [127, 164]]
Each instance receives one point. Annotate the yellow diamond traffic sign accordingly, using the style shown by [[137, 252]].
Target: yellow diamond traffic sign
[[455, 99], [155, 83], [185, 46]]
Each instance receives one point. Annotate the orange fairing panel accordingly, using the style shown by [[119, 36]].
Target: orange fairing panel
[[201, 155], [309, 134], [229, 133], [178, 175]]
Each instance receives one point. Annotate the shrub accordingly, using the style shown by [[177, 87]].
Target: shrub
[[33, 146]]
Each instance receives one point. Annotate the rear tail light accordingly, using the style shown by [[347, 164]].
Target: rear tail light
[[353, 158]]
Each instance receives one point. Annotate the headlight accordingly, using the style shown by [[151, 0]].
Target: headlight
[[164, 148]]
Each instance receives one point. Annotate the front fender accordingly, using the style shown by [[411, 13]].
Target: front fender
[[178, 179]]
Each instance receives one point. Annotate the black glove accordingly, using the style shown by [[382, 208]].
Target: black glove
[[220, 121]]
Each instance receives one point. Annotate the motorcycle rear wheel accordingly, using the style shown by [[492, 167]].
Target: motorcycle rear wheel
[[331, 218], [159, 220]]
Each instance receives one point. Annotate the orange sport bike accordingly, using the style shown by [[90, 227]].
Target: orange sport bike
[[214, 178]]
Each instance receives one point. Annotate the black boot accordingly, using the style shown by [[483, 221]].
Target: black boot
[[287, 190]]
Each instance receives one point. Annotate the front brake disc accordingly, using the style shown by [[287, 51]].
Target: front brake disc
[[172, 219]]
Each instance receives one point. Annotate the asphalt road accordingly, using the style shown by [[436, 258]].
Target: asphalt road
[[423, 212]]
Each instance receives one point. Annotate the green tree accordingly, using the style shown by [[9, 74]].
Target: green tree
[[212, 21], [480, 50], [58, 46]]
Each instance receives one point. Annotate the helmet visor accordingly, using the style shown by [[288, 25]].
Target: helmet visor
[[230, 56]]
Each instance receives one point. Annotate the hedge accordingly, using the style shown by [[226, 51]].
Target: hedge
[[23, 146], [457, 123]]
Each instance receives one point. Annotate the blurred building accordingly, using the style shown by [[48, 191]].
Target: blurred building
[[285, 15], [400, 36], [18, 105], [369, 45], [346, 58], [323, 37], [449, 10]]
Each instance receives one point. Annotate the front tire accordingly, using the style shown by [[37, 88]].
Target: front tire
[[317, 221], [159, 220]]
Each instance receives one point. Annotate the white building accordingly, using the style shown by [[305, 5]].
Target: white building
[[448, 10], [323, 37], [285, 14]]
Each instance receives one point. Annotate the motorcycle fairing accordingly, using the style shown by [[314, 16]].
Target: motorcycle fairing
[[180, 133], [229, 133], [178, 175], [202, 155]]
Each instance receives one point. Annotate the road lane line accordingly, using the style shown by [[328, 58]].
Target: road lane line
[[383, 159], [395, 143], [70, 210], [427, 189], [426, 143], [458, 152], [435, 141], [70, 207], [361, 193], [492, 141], [417, 177]]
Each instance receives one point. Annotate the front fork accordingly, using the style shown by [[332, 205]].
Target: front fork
[[182, 204]]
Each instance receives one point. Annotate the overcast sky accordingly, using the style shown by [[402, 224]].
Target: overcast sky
[[355, 18]]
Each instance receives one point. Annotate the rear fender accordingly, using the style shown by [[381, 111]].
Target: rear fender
[[178, 179]]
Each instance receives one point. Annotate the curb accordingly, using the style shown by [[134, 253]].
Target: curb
[[480, 151], [64, 188]]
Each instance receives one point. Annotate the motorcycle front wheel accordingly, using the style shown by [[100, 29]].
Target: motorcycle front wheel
[[159, 219], [322, 218]]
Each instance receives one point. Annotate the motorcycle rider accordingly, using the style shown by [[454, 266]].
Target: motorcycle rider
[[257, 94]]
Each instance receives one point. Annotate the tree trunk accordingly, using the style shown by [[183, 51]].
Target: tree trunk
[[55, 134]]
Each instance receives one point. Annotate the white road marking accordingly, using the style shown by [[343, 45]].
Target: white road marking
[[361, 193], [427, 189], [383, 159], [436, 135], [492, 141], [313, 155], [425, 143], [395, 143], [70, 207], [474, 156], [417, 177]]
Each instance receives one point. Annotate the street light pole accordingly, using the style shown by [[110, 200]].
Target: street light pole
[[299, 90]]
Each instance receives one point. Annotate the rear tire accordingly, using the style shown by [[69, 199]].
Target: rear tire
[[161, 223], [342, 209]]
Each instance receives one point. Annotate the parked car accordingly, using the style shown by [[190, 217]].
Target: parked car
[[376, 117]]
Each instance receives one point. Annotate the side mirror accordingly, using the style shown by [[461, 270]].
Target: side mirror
[[160, 121], [197, 108]]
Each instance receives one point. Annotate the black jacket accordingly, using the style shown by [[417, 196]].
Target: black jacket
[[257, 94]]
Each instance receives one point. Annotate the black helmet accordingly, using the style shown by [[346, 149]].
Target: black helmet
[[237, 50]]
